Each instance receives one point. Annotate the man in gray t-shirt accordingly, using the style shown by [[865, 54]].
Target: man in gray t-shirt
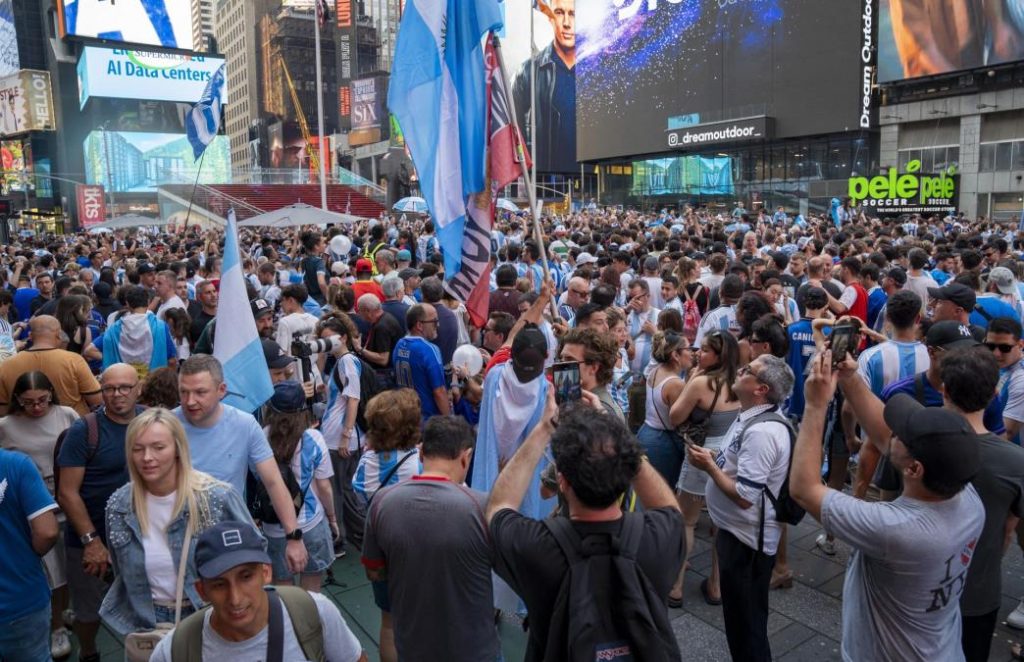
[[428, 538], [901, 596]]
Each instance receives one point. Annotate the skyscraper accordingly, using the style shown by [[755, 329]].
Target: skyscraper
[[202, 23]]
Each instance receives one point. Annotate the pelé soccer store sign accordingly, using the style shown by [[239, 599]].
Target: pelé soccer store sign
[[911, 192]]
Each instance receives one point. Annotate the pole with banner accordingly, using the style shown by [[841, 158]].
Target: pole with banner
[[201, 126], [531, 183], [322, 16]]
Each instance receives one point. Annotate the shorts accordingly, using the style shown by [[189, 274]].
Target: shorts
[[380, 595], [86, 590], [55, 562], [692, 480], [319, 547]]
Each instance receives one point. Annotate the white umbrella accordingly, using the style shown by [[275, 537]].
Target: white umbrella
[[507, 205], [411, 205], [133, 221], [297, 215], [100, 230]]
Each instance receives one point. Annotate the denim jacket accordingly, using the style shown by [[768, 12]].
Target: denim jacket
[[128, 605]]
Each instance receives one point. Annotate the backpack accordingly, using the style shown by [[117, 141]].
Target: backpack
[[691, 315], [369, 386], [787, 510], [606, 607], [92, 445], [187, 638], [258, 499]]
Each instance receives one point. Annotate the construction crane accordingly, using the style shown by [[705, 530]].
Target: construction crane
[[314, 152]]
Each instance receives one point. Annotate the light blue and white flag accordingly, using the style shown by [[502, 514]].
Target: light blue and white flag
[[438, 94], [1020, 223], [203, 122], [237, 344]]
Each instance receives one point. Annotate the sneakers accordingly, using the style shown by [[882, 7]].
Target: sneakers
[[1015, 619], [829, 547], [60, 643], [339, 551], [68, 616]]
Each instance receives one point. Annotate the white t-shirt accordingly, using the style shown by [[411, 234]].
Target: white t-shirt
[[340, 645], [333, 422], [160, 568], [288, 325], [174, 302]]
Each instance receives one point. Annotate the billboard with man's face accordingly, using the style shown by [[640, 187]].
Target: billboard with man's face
[[554, 109]]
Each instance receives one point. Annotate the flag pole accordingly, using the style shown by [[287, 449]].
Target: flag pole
[[188, 214], [531, 190], [318, 16]]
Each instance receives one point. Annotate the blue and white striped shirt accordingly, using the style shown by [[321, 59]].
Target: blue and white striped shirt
[[722, 318], [890, 362], [374, 466]]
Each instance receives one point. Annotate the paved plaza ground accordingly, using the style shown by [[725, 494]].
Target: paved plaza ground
[[804, 624]]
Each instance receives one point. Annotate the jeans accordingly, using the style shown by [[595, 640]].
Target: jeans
[[976, 636], [663, 451], [348, 508], [27, 639], [746, 576]]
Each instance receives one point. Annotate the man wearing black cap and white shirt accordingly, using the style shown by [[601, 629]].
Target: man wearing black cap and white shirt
[[147, 275], [955, 302], [245, 620], [911, 557]]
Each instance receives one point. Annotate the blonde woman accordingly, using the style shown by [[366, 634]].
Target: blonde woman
[[147, 520]]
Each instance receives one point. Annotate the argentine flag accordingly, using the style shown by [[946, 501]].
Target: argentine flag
[[203, 122], [438, 94], [237, 344]]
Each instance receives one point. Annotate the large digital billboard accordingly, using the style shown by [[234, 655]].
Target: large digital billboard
[[931, 38], [26, 103], [166, 23], [656, 76], [368, 111], [125, 74], [140, 162], [9, 60], [555, 86]]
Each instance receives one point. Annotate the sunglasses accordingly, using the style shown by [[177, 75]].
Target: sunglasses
[[1003, 348]]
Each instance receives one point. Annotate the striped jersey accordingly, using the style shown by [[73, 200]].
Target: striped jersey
[[374, 467], [311, 461], [890, 362], [348, 369], [722, 318]]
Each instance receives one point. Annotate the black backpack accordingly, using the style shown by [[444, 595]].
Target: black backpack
[[369, 386], [606, 608], [258, 499], [787, 510], [92, 444]]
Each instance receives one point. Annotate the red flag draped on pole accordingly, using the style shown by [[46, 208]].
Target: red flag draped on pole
[[506, 152]]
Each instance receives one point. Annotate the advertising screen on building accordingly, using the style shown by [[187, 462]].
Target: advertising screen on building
[[26, 103], [125, 74], [9, 60], [166, 23], [368, 114], [92, 207], [918, 39], [650, 73], [139, 162], [907, 192]]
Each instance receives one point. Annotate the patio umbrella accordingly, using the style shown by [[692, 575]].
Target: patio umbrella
[[507, 205], [411, 205], [297, 215]]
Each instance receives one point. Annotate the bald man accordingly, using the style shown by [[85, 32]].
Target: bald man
[[87, 479], [68, 372], [577, 294]]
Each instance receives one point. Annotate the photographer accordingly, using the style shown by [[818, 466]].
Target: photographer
[[294, 319]]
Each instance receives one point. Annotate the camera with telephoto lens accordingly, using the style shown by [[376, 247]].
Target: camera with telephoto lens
[[302, 349]]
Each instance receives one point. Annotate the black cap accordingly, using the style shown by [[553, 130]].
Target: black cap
[[288, 397], [146, 268], [958, 293], [276, 357], [950, 334], [227, 545], [261, 307], [941, 440], [529, 351]]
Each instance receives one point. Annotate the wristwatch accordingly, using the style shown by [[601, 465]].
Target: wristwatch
[[294, 535], [88, 538]]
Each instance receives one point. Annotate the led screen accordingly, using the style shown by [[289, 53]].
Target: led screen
[[139, 162]]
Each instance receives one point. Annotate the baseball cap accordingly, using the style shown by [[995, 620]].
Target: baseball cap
[[958, 293], [362, 264], [339, 268], [288, 397], [941, 440], [898, 275], [227, 545], [276, 357], [409, 272], [950, 334], [260, 307], [1003, 279], [585, 258], [146, 268], [529, 349], [404, 256]]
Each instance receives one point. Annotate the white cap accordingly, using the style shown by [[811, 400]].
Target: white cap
[[586, 258]]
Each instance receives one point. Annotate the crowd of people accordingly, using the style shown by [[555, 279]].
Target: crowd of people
[[755, 366]]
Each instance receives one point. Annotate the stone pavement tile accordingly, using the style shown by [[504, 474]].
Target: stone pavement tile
[[815, 649], [812, 569], [834, 586], [789, 638], [816, 610], [359, 610], [699, 641]]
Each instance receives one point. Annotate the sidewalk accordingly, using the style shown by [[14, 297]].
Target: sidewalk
[[804, 625]]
